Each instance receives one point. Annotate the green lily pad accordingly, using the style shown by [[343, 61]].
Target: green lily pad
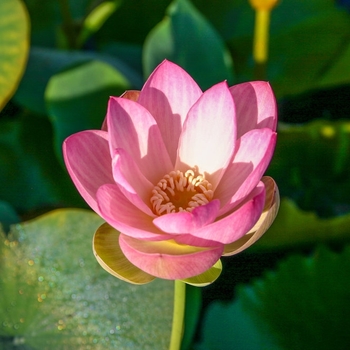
[[55, 295], [304, 304], [8, 215], [14, 46], [188, 39], [43, 63]]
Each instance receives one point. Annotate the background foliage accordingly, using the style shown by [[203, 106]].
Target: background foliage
[[60, 61]]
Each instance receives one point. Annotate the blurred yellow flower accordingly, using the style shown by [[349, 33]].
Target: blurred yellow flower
[[263, 4]]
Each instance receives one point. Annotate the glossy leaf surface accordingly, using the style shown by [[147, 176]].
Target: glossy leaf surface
[[14, 46], [303, 304], [55, 295], [188, 39]]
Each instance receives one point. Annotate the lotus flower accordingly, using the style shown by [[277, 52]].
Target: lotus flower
[[177, 174]]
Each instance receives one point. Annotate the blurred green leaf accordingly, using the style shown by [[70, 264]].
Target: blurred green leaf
[[295, 227], [54, 295], [45, 18], [227, 326], [14, 45], [77, 98], [131, 23], [303, 305], [130, 53], [8, 215], [188, 39], [44, 63], [193, 308], [31, 177], [311, 165], [338, 72], [309, 44], [96, 18], [239, 19], [302, 56]]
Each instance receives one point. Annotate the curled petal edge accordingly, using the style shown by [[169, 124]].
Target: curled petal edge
[[267, 217], [206, 277], [107, 251], [168, 259], [132, 95], [177, 223]]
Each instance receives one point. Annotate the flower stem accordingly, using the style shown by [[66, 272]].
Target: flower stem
[[260, 45], [261, 35], [178, 315], [263, 10]]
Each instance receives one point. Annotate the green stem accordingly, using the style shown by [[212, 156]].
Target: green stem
[[178, 315]]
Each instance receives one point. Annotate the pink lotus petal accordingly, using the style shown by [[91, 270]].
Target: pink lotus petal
[[131, 181], [131, 127], [209, 134], [239, 222], [188, 221], [120, 213], [267, 217], [132, 95], [168, 259], [168, 94], [253, 154], [88, 162], [255, 106]]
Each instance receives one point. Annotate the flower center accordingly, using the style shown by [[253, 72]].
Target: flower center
[[177, 191]]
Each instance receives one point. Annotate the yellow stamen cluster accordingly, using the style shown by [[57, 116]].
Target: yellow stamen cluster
[[177, 192]]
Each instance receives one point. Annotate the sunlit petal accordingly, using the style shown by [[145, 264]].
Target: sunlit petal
[[168, 94], [132, 127], [255, 106], [209, 135], [253, 155]]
